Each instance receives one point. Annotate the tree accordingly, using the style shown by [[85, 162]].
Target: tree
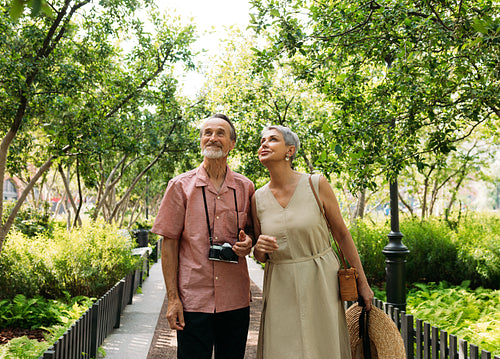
[[258, 99], [408, 78], [442, 177], [64, 84]]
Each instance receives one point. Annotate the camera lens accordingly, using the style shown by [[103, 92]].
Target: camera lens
[[226, 252]]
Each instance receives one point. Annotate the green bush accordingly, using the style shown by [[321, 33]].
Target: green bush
[[469, 252], [29, 220], [478, 244], [88, 261], [433, 254], [370, 239]]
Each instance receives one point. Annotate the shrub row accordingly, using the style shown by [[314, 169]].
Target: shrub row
[[85, 262], [471, 251]]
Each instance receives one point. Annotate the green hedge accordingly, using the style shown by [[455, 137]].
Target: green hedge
[[88, 261], [470, 252]]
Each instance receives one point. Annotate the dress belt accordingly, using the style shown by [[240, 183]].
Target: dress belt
[[302, 259]]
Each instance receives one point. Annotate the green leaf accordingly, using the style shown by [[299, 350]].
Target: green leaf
[[36, 6], [479, 26], [16, 9]]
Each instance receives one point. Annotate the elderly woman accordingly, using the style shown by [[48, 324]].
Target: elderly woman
[[302, 316]]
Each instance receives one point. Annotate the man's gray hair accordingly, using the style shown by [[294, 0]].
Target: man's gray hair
[[232, 130], [291, 138]]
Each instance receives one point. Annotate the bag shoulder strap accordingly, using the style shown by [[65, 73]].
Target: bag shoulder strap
[[327, 223]]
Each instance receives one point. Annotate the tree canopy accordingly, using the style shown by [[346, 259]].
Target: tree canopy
[[407, 78], [72, 95]]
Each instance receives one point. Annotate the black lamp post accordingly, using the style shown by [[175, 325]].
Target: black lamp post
[[395, 256], [395, 252]]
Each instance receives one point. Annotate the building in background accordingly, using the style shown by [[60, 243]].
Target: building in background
[[11, 189]]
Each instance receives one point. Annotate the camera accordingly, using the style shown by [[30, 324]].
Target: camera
[[223, 253]]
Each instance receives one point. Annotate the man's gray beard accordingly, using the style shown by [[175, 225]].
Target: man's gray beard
[[213, 153]]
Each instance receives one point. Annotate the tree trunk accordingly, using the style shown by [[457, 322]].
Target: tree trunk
[[410, 208], [139, 176], [109, 185], [66, 180], [454, 195], [58, 205], [435, 191], [359, 212], [308, 163], [77, 213], [4, 229], [426, 191]]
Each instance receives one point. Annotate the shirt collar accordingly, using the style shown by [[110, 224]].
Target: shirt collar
[[202, 179]]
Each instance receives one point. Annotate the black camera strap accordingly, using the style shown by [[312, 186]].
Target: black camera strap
[[208, 220]]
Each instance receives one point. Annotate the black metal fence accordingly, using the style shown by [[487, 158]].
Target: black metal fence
[[423, 341], [87, 334]]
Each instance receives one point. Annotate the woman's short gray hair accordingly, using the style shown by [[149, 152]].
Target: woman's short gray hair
[[291, 138]]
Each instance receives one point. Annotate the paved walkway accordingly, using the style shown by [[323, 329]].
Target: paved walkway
[[144, 332]]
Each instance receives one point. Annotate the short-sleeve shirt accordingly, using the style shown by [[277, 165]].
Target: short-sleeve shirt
[[204, 285]]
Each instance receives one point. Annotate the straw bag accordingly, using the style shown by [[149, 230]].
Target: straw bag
[[347, 276]]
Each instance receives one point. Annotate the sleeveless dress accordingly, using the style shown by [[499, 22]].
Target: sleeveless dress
[[302, 315]]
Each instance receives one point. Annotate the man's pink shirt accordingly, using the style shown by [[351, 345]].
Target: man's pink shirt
[[204, 285]]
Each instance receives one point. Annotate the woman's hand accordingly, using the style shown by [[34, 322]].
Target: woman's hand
[[366, 293], [264, 246]]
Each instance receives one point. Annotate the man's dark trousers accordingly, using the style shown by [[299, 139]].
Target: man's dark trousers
[[226, 332]]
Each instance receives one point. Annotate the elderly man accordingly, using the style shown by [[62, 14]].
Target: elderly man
[[202, 218]]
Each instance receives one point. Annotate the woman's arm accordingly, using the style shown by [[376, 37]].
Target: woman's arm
[[343, 237], [265, 244]]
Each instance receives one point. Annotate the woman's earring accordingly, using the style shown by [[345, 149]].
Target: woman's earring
[[287, 157]]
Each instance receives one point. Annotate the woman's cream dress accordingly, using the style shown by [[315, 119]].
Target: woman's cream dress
[[302, 315]]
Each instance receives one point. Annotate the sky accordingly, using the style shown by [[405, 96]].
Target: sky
[[210, 17]]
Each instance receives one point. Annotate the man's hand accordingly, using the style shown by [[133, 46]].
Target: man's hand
[[175, 314], [244, 245]]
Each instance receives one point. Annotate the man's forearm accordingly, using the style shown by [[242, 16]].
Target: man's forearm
[[170, 266]]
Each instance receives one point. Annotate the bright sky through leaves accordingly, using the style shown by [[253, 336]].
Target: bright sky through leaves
[[211, 19]]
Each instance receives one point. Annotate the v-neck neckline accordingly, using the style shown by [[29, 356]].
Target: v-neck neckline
[[291, 197]]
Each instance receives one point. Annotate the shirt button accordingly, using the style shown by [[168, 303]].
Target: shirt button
[[218, 197], [216, 237], [217, 217], [216, 278]]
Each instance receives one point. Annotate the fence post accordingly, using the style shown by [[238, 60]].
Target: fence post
[[121, 288], [435, 342], [427, 340], [132, 285], [443, 344], [453, 347], [49, 353], [94, 330], [474, 351], [463, 350], [407, 334]]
